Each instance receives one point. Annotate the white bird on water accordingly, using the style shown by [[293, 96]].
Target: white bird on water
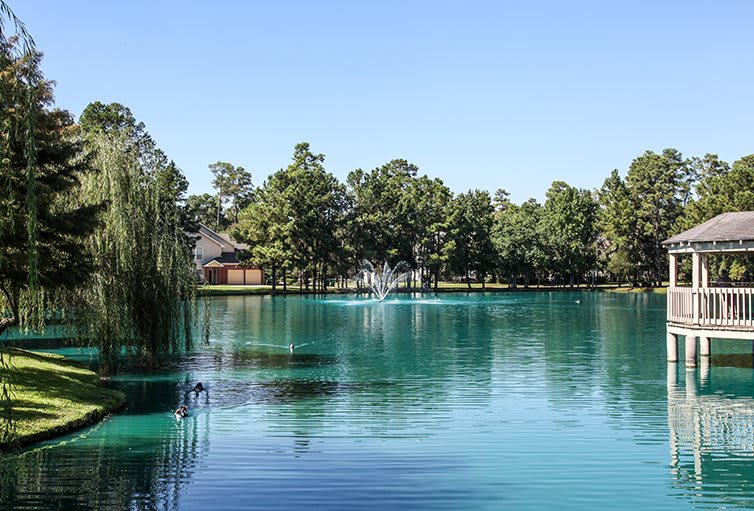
[[290, 347], [578, 301]]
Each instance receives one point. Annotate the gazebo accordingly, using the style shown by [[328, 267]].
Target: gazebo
[[725, 310]]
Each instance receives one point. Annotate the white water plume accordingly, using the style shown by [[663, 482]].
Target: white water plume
[[382, 282]]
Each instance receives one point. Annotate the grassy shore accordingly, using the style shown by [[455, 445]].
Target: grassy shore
[[53, 396], [226, 290], [626, 289]]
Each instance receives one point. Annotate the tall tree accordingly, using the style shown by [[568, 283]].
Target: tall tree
[[384, 212], [516, 238], [568, 229], [616, 223], [264, 226], [295, 218], [658, 186], [201, 209], [470, 224], [232, 184], [116, 119], [721, 188], [141, 299], [317, 203], [431, 201]]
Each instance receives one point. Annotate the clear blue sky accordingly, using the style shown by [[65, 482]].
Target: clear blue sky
[[480, 94]]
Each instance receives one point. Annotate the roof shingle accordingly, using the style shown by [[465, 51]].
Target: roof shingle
[[725, 227]]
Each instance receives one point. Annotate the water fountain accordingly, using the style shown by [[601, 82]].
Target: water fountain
[[382, 282]]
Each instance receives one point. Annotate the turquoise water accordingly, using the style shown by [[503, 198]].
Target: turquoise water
[[479, 402]]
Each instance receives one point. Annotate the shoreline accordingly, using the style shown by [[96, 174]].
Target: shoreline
[[227, 290], [54, 396]]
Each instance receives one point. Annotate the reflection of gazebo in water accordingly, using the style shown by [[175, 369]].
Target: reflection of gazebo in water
[[725, 311], [711, 443]]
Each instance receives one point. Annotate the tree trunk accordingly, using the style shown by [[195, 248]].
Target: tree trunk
[[466, 265], [285, 280], [6, 323], [219, 205], [274, 278]]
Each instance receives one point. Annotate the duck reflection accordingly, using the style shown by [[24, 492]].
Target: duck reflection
[[711, 439]]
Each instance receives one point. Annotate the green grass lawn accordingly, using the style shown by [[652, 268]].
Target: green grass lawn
[[219, 290], [628, 289], [53, 395], [223, 290]]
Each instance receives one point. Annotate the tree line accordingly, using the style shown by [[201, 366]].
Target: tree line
[[304, 226]]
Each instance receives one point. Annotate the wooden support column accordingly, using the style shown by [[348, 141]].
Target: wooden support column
[[704, 346], [690, 351], [695, 284], [704, 270], [673, 272], [672, 342]]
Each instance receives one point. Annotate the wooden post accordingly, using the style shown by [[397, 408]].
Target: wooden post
[[672, 343], [690, 351], [704, 346], [673, 272], [695, 274]]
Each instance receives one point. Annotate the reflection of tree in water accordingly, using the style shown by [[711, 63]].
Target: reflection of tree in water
[[711, 444], [102, 472]]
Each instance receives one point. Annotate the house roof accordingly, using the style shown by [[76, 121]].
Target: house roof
[[222, 239], [209, 233], [725, 227], [225, 258], [233, 243]]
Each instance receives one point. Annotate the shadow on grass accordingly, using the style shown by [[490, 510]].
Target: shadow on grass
[[24, 410], [60, 392]]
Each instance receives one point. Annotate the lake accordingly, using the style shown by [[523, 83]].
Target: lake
[[521, 400]]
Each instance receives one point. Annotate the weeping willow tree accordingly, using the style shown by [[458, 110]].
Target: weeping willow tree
[[42, 230], [141, 302], [13, 81]]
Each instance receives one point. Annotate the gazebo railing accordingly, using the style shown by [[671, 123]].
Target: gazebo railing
[[680, 305], [717, 306], [727, 306]]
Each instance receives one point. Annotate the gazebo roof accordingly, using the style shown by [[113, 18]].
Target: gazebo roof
[[725, 227]]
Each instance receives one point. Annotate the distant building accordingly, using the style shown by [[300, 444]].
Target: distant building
[[216, 258]]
